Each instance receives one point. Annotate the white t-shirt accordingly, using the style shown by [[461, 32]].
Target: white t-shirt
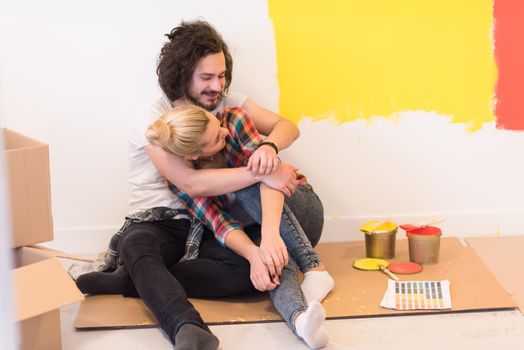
[[148, 188]]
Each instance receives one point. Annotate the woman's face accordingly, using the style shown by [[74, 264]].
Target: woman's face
[[214, 138]]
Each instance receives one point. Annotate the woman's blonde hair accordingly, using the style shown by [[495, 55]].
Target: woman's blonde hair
[[180, 130]]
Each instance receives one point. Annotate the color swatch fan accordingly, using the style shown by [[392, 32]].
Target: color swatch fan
[[417, 295]]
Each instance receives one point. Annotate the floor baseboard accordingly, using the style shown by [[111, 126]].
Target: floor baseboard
[[82, 240]]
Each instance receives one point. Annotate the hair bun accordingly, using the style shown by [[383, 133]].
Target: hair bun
[[158, 133]]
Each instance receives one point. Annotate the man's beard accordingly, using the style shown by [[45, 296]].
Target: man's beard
[[219, 99]]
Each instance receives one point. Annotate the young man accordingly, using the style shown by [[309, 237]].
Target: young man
[[194, 67]]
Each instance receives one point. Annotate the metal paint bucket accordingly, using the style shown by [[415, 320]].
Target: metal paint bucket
[[380, 240], [424, 245]]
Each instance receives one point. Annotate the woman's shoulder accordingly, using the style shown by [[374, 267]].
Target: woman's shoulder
[[235, 119]]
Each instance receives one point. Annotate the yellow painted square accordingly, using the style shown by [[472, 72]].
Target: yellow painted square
[[355, 59]]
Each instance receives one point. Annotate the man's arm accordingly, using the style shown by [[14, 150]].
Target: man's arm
[[202, 182], [215, 182], [278, 130]]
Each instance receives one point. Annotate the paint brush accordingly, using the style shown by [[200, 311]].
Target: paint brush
[[430, 223], [389, 273]]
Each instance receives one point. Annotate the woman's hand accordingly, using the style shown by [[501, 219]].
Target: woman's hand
[[240, 243], [259, 272], [284, 179], [263, 161], [274, 254]]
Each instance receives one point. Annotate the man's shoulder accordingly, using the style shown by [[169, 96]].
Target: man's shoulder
[[232, 99], [162, 105], [146, 115]]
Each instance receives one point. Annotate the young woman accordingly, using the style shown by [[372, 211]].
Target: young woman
[[197, 135]]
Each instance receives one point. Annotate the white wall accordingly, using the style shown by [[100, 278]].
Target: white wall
[[73, 72], [415, 167]]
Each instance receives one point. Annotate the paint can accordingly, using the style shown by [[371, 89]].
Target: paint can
[[380, 239], [424, 244]]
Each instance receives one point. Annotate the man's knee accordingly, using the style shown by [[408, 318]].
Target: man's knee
[[135, 243]]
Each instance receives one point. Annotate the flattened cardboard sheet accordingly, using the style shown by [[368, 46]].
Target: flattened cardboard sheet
[[357, 293], [503, 256], [60, 254]]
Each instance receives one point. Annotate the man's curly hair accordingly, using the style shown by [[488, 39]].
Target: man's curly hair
[[188, 44]]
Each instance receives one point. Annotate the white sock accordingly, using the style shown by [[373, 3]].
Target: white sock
[[317, 285], [309, 326]]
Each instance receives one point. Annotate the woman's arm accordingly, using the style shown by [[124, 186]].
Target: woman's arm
[[240, 243], [210, 212], [274, 251], [228, 232]]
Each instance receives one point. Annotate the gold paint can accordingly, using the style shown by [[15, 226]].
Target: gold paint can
[[380, 239]]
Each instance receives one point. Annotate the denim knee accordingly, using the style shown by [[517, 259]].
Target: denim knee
[[308, 209]]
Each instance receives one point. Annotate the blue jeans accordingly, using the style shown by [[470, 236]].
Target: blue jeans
[[300, 228], [309, 215]]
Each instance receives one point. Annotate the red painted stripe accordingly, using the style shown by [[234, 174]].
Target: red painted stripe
[[509, 55]]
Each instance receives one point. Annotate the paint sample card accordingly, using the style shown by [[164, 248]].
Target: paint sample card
[[417, 295]]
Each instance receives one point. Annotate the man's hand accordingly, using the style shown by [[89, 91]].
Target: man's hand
[[284, 179], [259, 272], [274, 254], [263, 161]]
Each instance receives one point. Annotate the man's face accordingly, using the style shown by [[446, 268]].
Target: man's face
[[209, 78]]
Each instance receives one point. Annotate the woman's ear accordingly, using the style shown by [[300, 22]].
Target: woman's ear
[[192, 157]]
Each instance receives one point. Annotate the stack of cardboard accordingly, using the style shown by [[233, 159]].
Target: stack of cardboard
[[42, 285]]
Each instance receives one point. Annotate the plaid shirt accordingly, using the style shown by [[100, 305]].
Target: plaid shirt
[[242, 141]]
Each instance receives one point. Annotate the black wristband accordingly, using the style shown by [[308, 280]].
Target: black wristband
[[269, 144]]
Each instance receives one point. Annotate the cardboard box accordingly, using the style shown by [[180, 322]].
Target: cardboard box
[[42, 286], [29, 190]]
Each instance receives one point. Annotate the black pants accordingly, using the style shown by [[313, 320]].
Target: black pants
[[151, 251]]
